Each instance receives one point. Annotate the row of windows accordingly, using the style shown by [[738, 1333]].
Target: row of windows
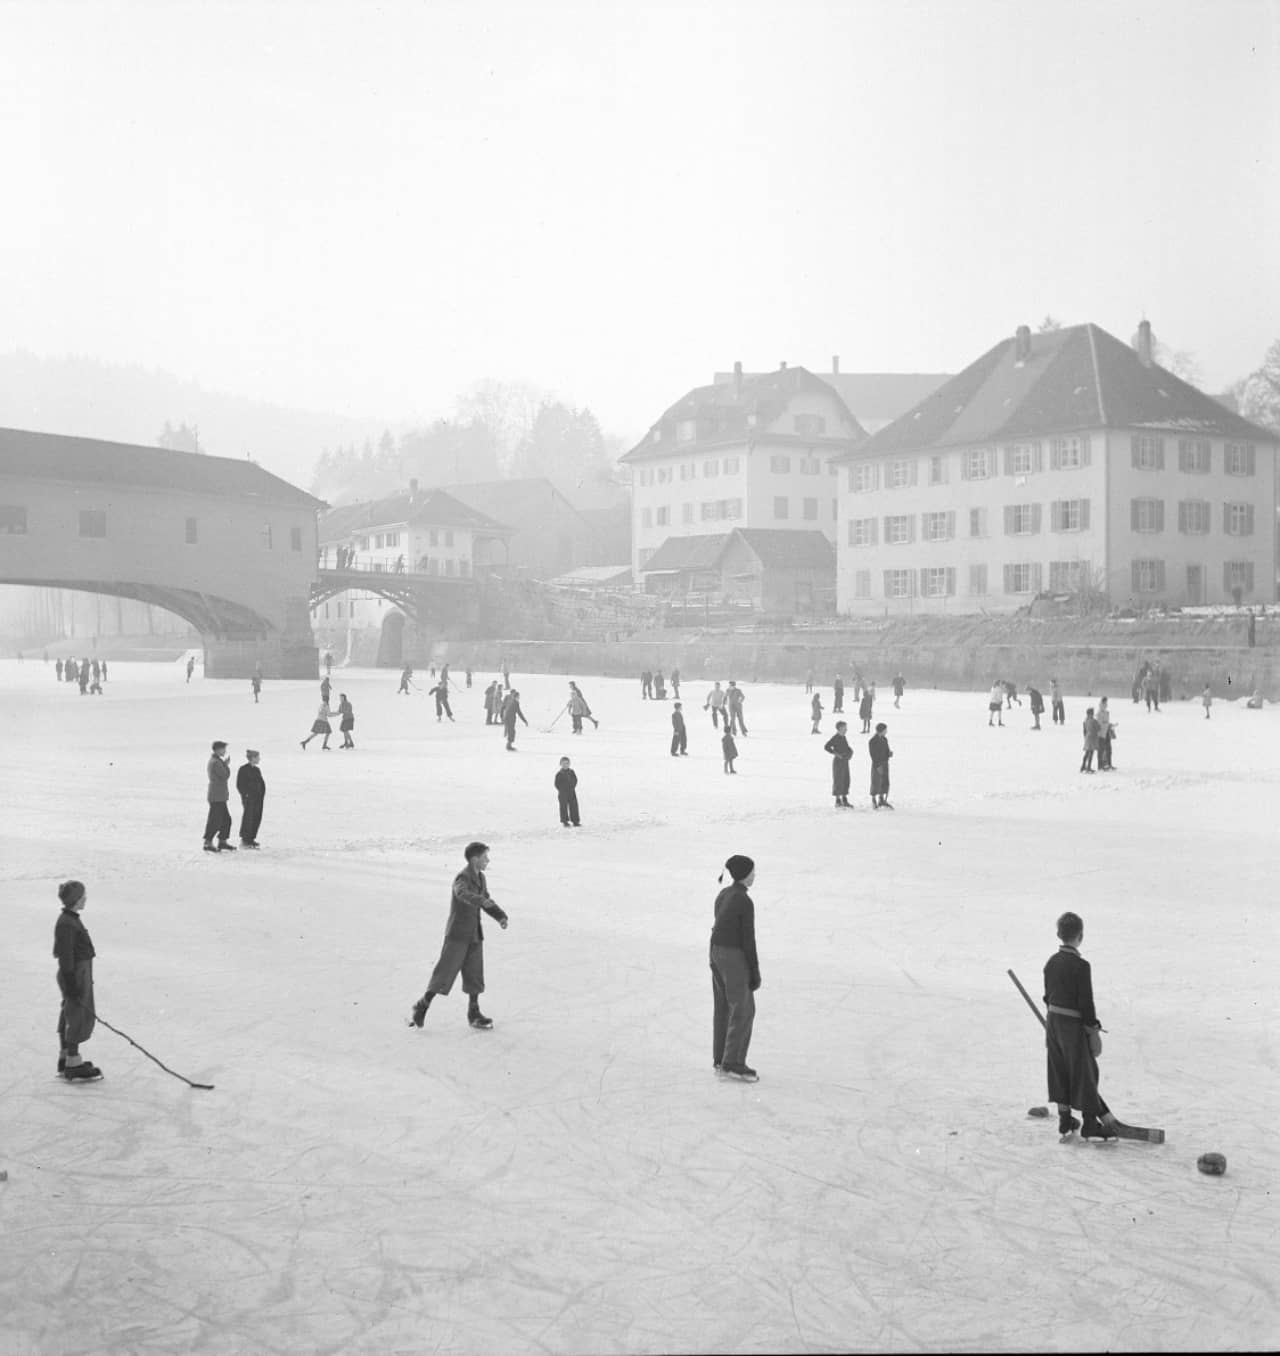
[[1195, 516], [807, 425], [731, 508], [939, 581], [1195, 455], [711, 467], [93, 524], [392, 539]]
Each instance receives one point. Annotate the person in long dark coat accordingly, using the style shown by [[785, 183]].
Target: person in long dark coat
[[566, 783], [73, 950], [463, 949], [878, 748], [838, 747], [58, 669], [1072, 1040], [252, 790], [511, 712], [679, 735], [735, 972], [866, 706], [406, 675], [346, 721], [1037, 704], [492, 702]]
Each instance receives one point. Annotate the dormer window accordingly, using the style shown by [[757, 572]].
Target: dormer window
[[687, 431], [811, 425]]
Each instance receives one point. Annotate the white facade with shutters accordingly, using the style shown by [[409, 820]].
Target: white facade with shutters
[[1144, 515]]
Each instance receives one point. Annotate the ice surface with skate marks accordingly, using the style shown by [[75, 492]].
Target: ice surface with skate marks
[[577, 1180]]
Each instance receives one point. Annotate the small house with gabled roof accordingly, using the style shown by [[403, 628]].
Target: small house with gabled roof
[[1067, 462], [751, 452]]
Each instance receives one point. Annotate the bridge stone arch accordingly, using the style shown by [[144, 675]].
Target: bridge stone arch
[[222, 543]]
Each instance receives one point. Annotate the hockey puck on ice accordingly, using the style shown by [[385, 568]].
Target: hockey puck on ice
[[1038, 1111], [1214, 1165]]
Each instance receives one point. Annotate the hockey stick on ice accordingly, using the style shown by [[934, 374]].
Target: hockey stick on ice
[[204, 1087], [1122, 1130]]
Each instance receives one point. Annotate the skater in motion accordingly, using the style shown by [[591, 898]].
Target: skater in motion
[[326, 689], [1072, 1036], [838, 747], [252, 790], [218, 820], [320, 726], [578, 709], [511, 712], [729, 749], [191, 666], [878, 748], [463, 949], [256, 684], [995, 703], [441, 693], [715, 704], [567, 793], [815, 710], [346, 721], [899, 687], [73, 950], [406, 677], [735, 972], [679, 735]]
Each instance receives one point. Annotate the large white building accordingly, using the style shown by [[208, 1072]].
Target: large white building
[[751, 452], [1066, 461]]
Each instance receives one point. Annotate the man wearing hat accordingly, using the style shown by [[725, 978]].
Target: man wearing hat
[[253, 791], [735, 972], [463, 948], [218, 820]]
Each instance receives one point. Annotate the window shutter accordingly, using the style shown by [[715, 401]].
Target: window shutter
[[964, 466], [1037, 457], [1133, 515], [1251, 465], [923, 581], [951, 581], [1184, 455], [1226, 518], [887, 585], [875, 475], [1035, 517], [1008, 523], [1159, 515], [875, 530], [951, 523], [1008, 579], [1182, 515], [1055, 516], [1160, 576], [1084, 515], [1055, 455], [1159, 454], [850, 531], [911, 528], [886, 529], [1007, 453], [1037, 576], [1248, 519], [1133, 576], [1084, 451], [1133, 458]]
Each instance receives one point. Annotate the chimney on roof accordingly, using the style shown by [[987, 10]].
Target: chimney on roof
[[782, 367], [835, 364], [1022, 344], [737, 379], [1144, 343]]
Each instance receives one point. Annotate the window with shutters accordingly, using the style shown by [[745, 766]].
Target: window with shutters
[[1237, 520], [938, 526], [688, 470], [661, 516], [664, 475], [707, 509], [862, 531], [686, 513], [1146, 451], [782, 507], [937, 581], [977, 580], [731, 466], [1146, 515], [810, 466], [779, 464], [901, 474], [1148, 576], [898, 583], [1022, 578], [1195, 455], [731, 508], [1194, 516], [809, 510], [937, 470], [1069, 454], [862, 583], [710, 468], [1066, 576], [898, 529], [1021, 520], [1239, 459], [977, 522], [1021, 459], [1069, 515], [863, 477], [1237, 574], [978, 463], [811, 425], [687, 431]]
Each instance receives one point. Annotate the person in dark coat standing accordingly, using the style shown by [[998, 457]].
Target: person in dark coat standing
[[218, 820], [838, 747], [878, 748], [815, 710], [679, 735], [866, 706], [567, 794], [346, 721], [493, 702], [837, 695], [73, 950], [729, 748], [735, 972], [463, 949], [899, 687], [1037, 704], [646, 684], [252, 790], [734, 698], [326, 689], [256, 684], [511, 712], [675, 682], [191, 666], [1090, 731], [57, 668], [1072, 1035]]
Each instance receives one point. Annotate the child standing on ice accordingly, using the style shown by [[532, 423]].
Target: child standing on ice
[[567, 794], [815, 710], [1072, 1039], [73, 950], [730, 751]]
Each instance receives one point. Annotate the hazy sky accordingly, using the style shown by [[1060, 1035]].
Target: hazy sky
[[365, 207]]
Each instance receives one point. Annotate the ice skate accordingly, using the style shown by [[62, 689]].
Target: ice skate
[[741, 1072], [418, 1015], [1067, 1125], [1095, 1128], [477, 1019], [82, 1073]]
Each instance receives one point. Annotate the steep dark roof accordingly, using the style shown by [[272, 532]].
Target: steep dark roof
[[55, 456], [1074, 378], [874, 398], [731, 411], [790, 548], [430, 508], [687, 553]]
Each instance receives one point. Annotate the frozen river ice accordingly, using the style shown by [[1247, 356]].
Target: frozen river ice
[[578, 1180]]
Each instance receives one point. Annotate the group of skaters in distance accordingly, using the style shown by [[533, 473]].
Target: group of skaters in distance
[[89, 674]]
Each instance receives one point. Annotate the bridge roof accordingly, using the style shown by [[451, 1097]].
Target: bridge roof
[[431, 508], [56, 456]]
